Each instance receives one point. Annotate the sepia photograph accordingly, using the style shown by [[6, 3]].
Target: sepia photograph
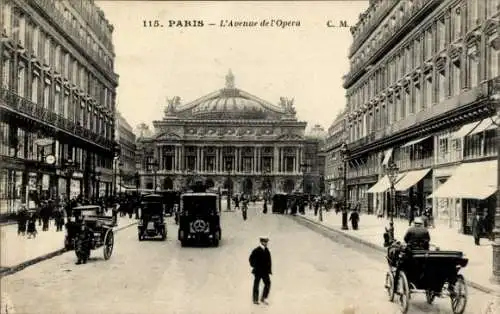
[[249, 157]]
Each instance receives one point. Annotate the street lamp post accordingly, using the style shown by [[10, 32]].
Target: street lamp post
[[345, 153], [97, 177], [392, 173], [229, 190], [154, 164], [70, 167]]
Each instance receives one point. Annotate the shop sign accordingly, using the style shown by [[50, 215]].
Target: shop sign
[[77, 175], [44, 141]]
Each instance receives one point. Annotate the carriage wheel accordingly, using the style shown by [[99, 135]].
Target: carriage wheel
[[459, 296], [109, 240], [430, 296], [403, 293], [389, 285]]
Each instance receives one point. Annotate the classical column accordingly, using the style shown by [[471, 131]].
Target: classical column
[[275, 159], [254, 161], [202, 158], [198, 159], [297, 159]]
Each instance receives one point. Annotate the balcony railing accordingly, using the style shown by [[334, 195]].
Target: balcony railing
[[407, 164], [13, 101], [393, 36], [383, 8], [50, 9], [94, 25]]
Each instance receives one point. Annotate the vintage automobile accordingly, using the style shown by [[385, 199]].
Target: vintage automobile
[[100, 226], [433, 272], [151, 222], [280, 203], [199, 218]]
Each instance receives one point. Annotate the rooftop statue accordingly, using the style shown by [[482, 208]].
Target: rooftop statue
[[230, 79], [287, 105], [172, 104]]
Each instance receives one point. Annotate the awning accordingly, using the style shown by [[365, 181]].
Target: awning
[[383, 184], [475, 180], [410, 179], [466, 129], [416, 141], [387, 156], [486, 124]]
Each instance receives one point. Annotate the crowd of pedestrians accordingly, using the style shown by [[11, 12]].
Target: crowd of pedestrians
[[60, 211]]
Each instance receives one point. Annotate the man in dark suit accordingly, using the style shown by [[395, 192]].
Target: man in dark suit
[[417, 237], [260, 261]]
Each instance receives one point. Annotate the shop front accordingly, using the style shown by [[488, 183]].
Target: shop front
[[470, 189]]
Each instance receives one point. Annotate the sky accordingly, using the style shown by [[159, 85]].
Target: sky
[[303, 62]]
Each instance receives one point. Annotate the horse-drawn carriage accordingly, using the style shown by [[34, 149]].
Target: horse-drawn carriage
[[433, 272], [151, 222], [90, 231]]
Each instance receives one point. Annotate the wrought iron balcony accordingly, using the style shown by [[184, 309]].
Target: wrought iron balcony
[[14, 102], [49, 8], [381, 9]]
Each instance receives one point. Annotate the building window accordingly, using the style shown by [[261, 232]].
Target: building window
[[441, 34], [428, 92], [457, 23], [46, 96], [59, 109], [472, 13], [472, 66], [417, 99], [6, 18], [409, 63], [428, 44], [492, 58], [6, 68], [21, 79], [416, 53], [407, 107], [35, 83], [398, 106], [442, 84], [66, 109], [56, 63], [46, 51], [455, 82]]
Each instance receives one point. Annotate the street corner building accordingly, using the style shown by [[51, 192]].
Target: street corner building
[[421, 93], [228, 139], [57, 101]]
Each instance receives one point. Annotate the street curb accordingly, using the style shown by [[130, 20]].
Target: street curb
[[8, 223], [380, 248], [6, 271]]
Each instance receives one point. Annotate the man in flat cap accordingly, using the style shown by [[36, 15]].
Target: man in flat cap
[[260, 261]]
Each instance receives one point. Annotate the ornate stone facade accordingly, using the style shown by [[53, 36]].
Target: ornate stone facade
[[420, 71], [227, 137]]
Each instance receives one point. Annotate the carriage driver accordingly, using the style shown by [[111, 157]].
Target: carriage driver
[[417, 237]]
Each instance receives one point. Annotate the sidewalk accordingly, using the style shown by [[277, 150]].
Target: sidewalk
[[478, 271], [16, 250]]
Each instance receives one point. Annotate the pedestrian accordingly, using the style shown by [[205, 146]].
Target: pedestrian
[[22, 218], [411, 214], [265, 207], [32, 226], [487, 225], [260, 261], [354, 218], [477, 227]]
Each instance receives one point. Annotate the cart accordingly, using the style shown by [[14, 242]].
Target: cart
[[433, 272]]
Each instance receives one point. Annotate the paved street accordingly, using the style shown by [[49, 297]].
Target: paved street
[[311, 274], [26, 249], [371, 230]]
